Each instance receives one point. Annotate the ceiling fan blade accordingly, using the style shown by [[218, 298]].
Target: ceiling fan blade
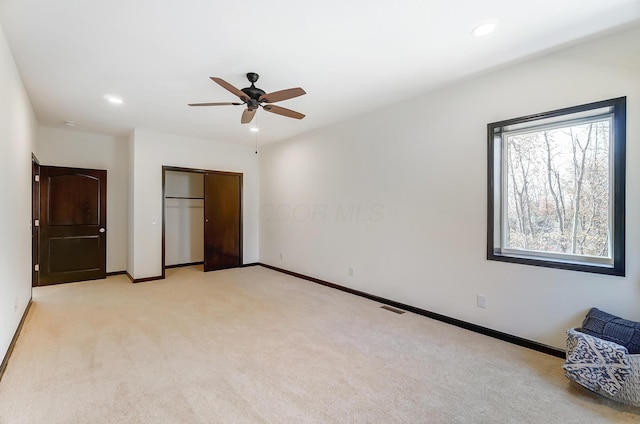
[[283, 111], [231, 88], [247, 115], [215, 104], [278, 96]]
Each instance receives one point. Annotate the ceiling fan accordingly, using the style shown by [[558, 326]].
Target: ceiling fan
[[254, 98]]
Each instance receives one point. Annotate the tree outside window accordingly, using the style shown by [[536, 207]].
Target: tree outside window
[[556, 188]]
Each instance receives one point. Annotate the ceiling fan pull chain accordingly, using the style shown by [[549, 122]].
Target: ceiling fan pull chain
[[258, 128]]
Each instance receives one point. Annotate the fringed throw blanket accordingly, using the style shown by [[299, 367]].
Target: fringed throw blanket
[[598, 365]]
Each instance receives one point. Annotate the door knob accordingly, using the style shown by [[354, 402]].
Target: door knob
[[101, 230]]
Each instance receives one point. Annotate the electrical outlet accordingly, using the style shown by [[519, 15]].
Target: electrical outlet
[[351, 272], [482, 301]]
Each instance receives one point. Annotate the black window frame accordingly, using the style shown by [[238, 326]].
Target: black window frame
[[618, 268]]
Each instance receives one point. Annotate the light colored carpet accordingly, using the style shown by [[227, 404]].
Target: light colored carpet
[[252, 345]]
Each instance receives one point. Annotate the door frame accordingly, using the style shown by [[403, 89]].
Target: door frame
[[166, 168], [35, 216]]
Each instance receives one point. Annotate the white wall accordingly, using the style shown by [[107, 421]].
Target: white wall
[[183, 231], [151, 151], [400, 195], [79, 149], [17, 128], [184, 184]]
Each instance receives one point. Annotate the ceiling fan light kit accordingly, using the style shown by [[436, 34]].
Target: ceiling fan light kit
[[254, 98]]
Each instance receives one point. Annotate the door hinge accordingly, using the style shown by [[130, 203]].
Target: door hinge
[[36, 223], [36, 268], [37, 178]]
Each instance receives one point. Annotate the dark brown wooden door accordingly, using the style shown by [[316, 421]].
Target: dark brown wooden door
[[222, 221], [73, 218]]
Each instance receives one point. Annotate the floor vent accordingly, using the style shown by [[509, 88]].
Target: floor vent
[[389, 308]]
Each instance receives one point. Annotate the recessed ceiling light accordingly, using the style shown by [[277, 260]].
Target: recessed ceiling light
[[114, 99], [484, 29], [254, 129], [70, 123]]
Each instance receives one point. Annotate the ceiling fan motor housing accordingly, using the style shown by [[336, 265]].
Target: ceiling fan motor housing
[[253, 92]]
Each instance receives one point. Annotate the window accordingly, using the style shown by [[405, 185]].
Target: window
[[557, 188]]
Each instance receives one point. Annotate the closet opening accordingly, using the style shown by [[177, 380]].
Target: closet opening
[[202, 218]]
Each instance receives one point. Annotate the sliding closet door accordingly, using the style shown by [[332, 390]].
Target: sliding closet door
[[222, 221]]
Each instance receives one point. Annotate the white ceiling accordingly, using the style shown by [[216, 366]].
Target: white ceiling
[[351, 56]]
